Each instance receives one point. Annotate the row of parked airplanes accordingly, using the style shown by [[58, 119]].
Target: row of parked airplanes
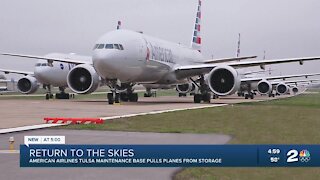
[[123, 58]]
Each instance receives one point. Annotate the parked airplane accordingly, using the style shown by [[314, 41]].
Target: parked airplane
[[133, 58], [7, 86], [47, 73], [264, 86], [284, 87]]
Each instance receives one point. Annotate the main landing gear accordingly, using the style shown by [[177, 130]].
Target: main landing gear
[[272, 95], [250, 93], [127, 95], [62, 94], [204, 94]]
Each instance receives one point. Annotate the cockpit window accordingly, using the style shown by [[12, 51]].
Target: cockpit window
[[109, 46], [116, 46], [100, 46], [38, 64], [95, 46], [44, 64]]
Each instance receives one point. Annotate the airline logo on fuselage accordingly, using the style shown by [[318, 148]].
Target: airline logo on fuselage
[[161, 54], [71, 66]]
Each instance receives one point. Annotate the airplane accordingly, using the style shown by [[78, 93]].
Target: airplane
[[284, 87], [46, 73], [263, 85], [4, 88], [124, 58]]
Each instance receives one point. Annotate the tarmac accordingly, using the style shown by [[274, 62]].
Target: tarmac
[[17, 112]]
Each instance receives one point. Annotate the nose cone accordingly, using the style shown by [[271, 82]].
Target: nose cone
[[42, 75], [106, 63]]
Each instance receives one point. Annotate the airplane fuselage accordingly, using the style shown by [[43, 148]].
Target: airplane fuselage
[[55, 74], [143, 59]]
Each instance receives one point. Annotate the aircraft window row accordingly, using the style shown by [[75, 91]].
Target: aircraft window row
[[109, 46], [41, 64]]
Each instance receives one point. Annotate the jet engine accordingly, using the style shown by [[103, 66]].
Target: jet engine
[[223, 80], [27, 85], [295, 89], [282, 88], [264, 87], [185, 88], [83, 79]]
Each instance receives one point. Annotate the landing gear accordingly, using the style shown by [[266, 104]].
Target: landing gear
[[182, 95], [241, 94], [250, 95], [197, 98], [150, 93], [214, 96], [271, 95], [205, 94], [126, 96], [110, 97], [49, 95], [62, 94], [133, 97]]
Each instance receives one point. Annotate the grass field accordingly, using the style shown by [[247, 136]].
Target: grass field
[[288, 121]]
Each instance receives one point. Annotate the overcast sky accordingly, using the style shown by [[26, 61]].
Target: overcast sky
[[284, 28]]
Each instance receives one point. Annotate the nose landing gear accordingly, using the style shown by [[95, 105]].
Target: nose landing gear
[[49, 94], [125, 96]]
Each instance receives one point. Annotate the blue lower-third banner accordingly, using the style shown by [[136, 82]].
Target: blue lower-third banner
[[170, 156]]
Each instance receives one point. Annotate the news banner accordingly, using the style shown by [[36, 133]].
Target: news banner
[[51, 151]]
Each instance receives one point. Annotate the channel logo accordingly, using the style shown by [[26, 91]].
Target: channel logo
[[304, 156]]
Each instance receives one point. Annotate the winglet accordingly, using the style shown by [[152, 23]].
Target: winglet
[[196, 37]]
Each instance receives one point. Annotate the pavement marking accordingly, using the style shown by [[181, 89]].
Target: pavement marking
[[159, 112]]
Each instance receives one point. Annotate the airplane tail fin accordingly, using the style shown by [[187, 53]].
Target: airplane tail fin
[[196, 37], [239, 41]]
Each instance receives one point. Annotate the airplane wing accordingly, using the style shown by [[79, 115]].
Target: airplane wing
[[5, 81], [65, 58], [223, 60], [295, 81], [199, 69], [278, 77], [8, 71], [257, 72]]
